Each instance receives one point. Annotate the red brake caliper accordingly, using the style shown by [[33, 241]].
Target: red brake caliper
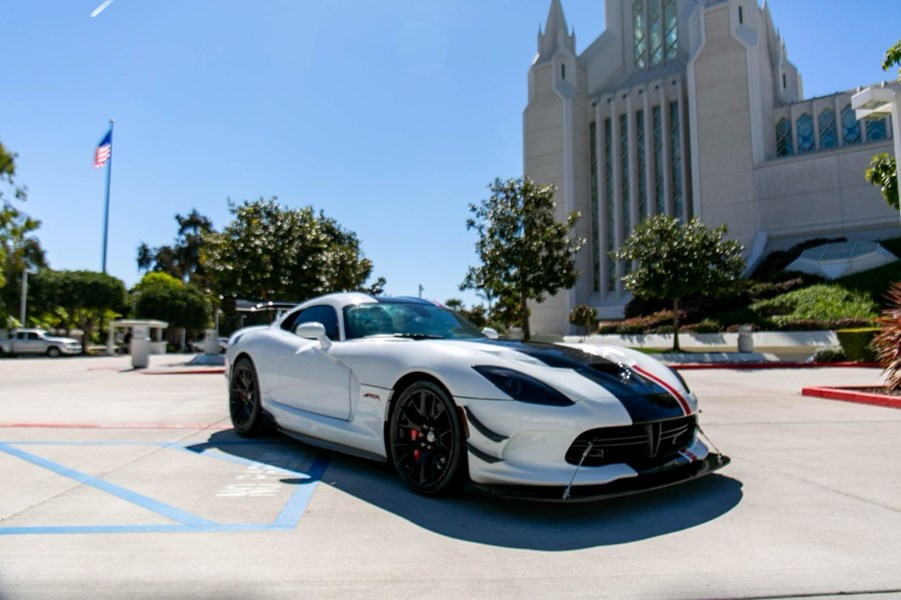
[[414, 435]]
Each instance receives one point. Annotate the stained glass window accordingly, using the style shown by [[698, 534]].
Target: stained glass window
[[624, 171], [828, 133], [611, 208], [655, 32], [641, 166], [784, 145], [640, 33], [657, 117], [672, 29], [595, 249], [806, 141], [676, 145], [875, 130], [850, 126]]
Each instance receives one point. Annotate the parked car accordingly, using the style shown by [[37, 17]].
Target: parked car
[[200, 345], [406, 381], [38, 341]]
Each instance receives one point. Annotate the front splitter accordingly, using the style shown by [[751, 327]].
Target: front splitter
[[644, 482]]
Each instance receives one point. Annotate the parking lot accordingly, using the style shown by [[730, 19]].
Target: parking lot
[[130, 484]]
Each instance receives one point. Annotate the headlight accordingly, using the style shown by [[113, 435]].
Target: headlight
[[523, 388]]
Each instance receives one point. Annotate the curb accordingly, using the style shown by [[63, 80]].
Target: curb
[[852, 394], [184, 371], [772, 365]]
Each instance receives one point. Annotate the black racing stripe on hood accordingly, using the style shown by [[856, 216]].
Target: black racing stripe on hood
[[644, 399]]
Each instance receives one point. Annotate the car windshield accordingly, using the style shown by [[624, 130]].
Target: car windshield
[[405, 319]]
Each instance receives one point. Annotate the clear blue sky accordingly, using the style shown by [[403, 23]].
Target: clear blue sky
[[391, 116]]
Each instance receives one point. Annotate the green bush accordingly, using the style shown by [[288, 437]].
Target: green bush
[[828, 355], [585, 317], [858, 343], [821, 302]]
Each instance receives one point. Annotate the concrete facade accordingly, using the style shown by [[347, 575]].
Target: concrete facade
[[690, 108]]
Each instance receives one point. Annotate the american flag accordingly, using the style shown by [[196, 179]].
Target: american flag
[[104, 150]]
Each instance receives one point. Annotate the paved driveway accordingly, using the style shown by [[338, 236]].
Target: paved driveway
[[121, 484]]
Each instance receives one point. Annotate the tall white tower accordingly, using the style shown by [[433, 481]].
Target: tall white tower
[[555, 122]]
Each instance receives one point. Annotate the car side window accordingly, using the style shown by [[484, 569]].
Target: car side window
[[318, 314]]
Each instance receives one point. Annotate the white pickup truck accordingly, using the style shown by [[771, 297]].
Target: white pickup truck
[[38, 341]]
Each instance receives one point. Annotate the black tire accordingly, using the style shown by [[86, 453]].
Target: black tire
[[244, 400], [425, 440], [53, 352]]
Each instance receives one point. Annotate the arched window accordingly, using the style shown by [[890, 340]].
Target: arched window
[[784, 146], [850, 126], [806, 141], [828, 133]]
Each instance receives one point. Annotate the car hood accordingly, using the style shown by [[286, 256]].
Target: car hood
[[61, 340], [598, 374]]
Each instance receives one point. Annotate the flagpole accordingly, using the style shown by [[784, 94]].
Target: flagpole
[[109, 171]]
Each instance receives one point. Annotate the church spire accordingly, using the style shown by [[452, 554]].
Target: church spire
[[555, 33]]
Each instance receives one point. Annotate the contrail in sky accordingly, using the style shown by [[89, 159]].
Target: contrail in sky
[[101, 8]]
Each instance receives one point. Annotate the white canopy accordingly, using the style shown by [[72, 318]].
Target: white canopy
[[845, 258]]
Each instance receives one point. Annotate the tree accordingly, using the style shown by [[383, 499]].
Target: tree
[[892, 58], [525, 251], [584, 317], [271, 252], [182, 259], [162, 296], [77, 299], [883, 174], [883, 171], [455, 304], [676, 260], [477, 315], [19, 249]]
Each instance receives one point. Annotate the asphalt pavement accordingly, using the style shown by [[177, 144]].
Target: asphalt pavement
[[123, 483]]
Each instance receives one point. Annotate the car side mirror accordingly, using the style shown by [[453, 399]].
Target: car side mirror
[[490, 333], [313, 331]]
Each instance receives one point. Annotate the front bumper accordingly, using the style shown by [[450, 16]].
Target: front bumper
[[644, 481]]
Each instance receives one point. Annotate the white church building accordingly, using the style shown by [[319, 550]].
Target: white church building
[[691, 108]]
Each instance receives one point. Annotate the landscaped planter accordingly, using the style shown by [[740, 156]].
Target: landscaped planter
[[786, 345]]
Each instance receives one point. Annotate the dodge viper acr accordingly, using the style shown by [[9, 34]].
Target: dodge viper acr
[[412, 383]]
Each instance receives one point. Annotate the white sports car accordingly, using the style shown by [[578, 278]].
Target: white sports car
[[407, 381]]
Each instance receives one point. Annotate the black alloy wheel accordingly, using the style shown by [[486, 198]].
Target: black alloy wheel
[[244, 399], [425, 440]]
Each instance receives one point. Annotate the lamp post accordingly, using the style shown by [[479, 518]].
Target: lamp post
[[24, 300], [879, 102]]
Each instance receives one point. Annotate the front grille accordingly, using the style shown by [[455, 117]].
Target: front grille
[[640, 446]]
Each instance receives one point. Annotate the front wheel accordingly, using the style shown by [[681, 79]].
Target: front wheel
[[425, 440], [53, 352], [244, 399]]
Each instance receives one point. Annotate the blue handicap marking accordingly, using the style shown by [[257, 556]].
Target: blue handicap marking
[[183, 521]]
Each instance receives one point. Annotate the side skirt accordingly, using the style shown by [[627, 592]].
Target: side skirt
[[313, 441]]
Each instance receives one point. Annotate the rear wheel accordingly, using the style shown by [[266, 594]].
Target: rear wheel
[[244, 399], [425, 440]]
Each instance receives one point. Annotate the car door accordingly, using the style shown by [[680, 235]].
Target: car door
[[29, 342], [304, 375]]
